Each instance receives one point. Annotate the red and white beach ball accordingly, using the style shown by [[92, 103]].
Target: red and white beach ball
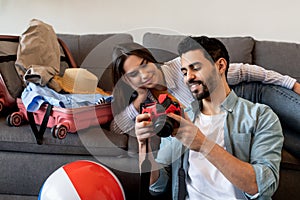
[[82, 180]]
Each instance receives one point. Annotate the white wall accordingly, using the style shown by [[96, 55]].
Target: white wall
[[262, 19]]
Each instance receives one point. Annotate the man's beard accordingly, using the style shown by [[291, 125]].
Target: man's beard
[[204, 94]]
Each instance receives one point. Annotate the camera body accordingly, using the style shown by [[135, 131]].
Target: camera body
[[163, 125]]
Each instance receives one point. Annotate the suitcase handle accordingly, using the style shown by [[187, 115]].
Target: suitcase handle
[[39, 133]]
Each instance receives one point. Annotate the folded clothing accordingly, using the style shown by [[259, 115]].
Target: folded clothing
[[35, 95]]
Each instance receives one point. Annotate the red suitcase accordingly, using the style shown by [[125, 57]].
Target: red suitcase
[[64, 120], [6, 100]]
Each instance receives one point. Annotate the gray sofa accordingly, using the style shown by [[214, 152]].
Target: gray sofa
[[25, 165]]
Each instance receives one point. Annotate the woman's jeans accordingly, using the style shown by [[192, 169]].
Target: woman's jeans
[[284, 102]]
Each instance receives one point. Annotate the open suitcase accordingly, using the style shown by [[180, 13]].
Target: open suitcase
[[61, 120]]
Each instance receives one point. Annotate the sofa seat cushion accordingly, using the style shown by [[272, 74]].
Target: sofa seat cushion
[[25, 173], [17, 197], [164, 47], [94, 140]]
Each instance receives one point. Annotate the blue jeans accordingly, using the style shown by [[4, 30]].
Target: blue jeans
[[284, 102]]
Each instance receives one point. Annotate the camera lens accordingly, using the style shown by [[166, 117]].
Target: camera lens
[[159, 123], [163, 127]]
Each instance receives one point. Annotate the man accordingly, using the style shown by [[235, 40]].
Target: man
[[233, 146]]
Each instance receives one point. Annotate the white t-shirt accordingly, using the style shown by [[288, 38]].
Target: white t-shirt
[[204, 180]]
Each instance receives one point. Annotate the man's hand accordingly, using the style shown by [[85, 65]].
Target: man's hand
[[144, 131], [143, 128], [188, 133], [238, 172], [296, 88]]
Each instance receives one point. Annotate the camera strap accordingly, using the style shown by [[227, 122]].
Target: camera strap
[[181, 178], [145, 176]]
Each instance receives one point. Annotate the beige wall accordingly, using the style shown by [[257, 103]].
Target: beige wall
[[262, 19]]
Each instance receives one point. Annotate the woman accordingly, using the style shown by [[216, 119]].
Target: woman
[[139, 78]]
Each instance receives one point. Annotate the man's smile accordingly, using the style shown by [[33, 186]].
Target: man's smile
[[194, 86]]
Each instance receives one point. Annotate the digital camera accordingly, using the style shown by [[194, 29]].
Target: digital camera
[[163, 125]]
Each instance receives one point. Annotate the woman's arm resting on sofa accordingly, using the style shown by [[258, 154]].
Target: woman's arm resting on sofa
[[239, 72]]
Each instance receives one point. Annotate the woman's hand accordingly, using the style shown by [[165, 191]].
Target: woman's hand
[[296, 88], [142, 94]]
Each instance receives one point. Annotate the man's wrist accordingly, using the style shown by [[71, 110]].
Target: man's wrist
[[206, 146]]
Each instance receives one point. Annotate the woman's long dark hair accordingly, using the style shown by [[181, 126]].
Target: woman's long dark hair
[[121, 53], [123, 93]]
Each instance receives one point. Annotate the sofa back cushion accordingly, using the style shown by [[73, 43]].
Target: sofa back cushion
[[164, 47], [94, 52], [282, 57], [239, 48]]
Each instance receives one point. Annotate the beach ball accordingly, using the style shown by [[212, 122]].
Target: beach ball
[[82, 180]]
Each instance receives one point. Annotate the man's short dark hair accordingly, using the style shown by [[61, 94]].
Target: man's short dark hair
[[212, 48]]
